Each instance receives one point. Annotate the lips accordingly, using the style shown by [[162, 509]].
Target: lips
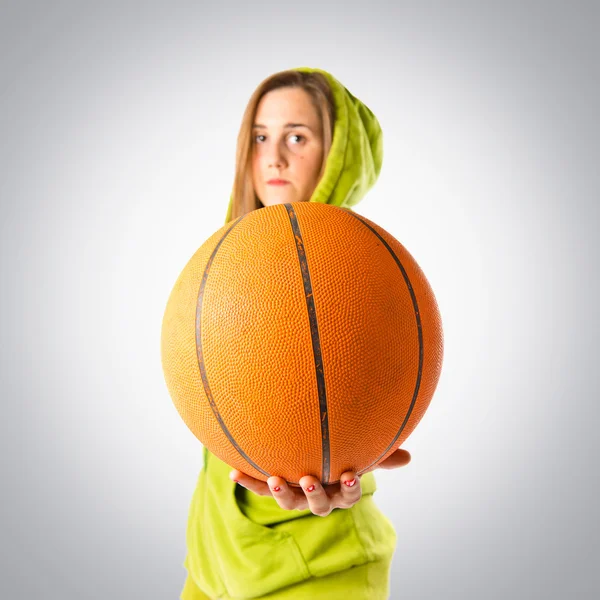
[[277, 182]]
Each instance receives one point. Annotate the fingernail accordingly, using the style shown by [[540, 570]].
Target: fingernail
[[311, 488], [276, 488], [350, 483]]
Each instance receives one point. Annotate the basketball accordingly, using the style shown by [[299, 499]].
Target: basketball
[[301, 339]]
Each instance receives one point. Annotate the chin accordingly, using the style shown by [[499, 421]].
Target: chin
[[278, 200]]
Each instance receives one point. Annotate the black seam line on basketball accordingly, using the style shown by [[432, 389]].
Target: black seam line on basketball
[[419, 333], [316, 343], [199, 354]]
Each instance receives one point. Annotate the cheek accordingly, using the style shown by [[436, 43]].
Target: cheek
[[255, 168], [310, 165], [313, 167]]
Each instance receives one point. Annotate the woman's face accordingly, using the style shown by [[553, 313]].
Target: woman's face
[[287, 145]]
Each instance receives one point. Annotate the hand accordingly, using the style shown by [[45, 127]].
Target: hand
[[321, 500]]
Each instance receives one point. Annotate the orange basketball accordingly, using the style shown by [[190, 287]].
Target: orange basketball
[[302, 339]]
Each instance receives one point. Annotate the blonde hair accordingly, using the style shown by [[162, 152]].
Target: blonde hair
[[317, 87]]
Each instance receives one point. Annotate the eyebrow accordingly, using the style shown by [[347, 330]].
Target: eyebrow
[[286, 126]]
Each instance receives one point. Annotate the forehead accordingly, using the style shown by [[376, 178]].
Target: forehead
[[286, 105]]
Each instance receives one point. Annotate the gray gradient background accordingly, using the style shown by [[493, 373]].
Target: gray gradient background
[[117, 128]]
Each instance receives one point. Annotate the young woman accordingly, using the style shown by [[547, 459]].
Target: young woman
[[304, 138]]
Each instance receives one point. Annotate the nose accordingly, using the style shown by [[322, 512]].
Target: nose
[[275, 157]]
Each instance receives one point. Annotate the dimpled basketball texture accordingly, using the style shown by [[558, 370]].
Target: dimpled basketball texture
[[302, 339]]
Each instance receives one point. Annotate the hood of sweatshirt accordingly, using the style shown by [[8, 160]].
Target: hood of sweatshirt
[[354, 161]]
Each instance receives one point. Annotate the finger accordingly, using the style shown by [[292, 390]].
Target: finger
[[254, 485], [318, 501], [400, 458], [288, 497], [350, 490]]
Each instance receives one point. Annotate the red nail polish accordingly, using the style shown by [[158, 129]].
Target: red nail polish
[[311, 488], [350, 483], [276, 489]]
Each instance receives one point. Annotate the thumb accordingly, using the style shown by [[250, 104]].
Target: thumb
[[398, 459]]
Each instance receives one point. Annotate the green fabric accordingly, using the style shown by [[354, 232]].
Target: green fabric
[[298, 556], [241, 545], [358, 579]]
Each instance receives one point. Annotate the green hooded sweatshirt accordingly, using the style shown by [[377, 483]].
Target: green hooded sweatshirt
[[241, 545]]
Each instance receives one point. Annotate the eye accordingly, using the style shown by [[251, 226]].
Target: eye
[[296, 135], [256, 138]]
